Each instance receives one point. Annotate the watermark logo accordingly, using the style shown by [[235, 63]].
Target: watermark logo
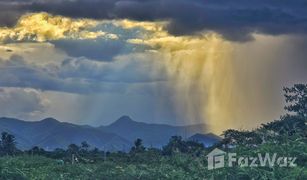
[[216, 159], [220, 159]]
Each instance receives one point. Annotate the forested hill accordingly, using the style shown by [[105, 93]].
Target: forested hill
[[50, 133]]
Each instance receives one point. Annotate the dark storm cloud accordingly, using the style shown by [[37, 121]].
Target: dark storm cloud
[[235, 19], [9, 14], [79, 75], [100, 49]]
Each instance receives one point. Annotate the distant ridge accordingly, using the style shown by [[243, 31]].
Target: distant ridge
[[50, 133], [155, 135]]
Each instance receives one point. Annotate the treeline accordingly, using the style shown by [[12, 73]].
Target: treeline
[[84, 153]]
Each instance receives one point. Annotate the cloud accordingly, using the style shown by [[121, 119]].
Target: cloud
[[202, 77], [22, 102], [81, 75], [9, 14], [100, 49], [103, 48], [235, 20], [97, 40], [18, 73], [42, 27], [131, 68], [221, 82], [39, 54]]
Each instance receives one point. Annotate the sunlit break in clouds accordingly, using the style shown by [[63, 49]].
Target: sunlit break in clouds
[[218, 63]]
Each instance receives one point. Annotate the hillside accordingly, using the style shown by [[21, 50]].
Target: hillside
[[50, 133], [155, 135]]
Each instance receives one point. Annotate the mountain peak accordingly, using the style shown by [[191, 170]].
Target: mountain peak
[[199, 136], [212, 135], [124, 119], [7, 118], [49, 119]]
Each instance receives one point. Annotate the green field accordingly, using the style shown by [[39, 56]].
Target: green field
[[151, 165]]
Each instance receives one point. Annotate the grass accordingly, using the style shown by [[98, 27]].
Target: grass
[[179, 166]]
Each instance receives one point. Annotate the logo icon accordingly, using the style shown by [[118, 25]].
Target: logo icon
[[216, 159]]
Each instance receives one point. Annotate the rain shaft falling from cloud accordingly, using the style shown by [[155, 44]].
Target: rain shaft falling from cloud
[[200, 76]]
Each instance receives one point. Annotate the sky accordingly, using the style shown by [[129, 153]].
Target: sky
[[219, 62]]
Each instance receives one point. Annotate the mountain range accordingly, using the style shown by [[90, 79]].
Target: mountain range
[[50, 133]]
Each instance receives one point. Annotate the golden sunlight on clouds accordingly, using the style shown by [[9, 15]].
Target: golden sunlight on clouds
[[206, 79], [42, 27], [148, 26]]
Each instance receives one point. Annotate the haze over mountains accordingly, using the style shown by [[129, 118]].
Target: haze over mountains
[[120, 135]]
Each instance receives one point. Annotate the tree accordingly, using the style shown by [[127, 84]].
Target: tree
[[37, 151], [8, 143], [288, 125], [73, 148], [176, 144], [85, 146], [235, 137], [296, 97], [138, 146]]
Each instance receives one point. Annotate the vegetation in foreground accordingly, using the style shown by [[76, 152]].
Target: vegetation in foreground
[[179, 159]]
